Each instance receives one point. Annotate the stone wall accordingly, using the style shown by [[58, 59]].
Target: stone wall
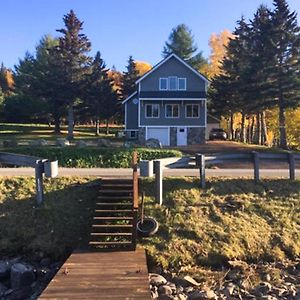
[[196, 135], [173, 136]]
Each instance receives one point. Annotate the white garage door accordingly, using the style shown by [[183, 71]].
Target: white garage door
[[159, 133]]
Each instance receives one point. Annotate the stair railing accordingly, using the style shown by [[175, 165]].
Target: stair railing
[[135, 196]]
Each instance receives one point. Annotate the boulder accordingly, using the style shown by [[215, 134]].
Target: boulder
[[62, 142], [103, 143], [81, 144], [38, 143], [4, 269], [45, 262], [10, 143], [153, 143], [156, 279], [165, 290], [21, 275]]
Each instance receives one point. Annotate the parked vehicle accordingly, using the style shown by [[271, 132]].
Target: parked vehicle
[[218, 134]]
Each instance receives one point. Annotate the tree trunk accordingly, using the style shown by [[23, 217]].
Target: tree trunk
[[231, 127], [252, 132], [107, 127], [282, 129], [258, 129], [97, 126], [56, 124], [70, 122], [243, 129], [264, 130]]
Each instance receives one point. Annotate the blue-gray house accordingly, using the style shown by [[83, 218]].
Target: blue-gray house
[[169, 105]]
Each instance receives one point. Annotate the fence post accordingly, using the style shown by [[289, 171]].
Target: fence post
[[39, 168], [256, 165], [158, 182], [200, 162], [291, 160]]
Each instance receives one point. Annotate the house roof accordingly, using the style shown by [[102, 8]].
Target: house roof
[[165, 60], [129, 97]]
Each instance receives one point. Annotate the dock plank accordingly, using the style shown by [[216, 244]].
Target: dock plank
[[101, 275]]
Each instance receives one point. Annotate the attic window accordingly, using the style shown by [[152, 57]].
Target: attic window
[[163, 84], [181, 84], [173, 86]]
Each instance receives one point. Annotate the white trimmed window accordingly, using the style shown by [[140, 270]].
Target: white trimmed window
[[192, 111], [163, 84], [152, 111], [181, 84], [173, 83], [172, 111]]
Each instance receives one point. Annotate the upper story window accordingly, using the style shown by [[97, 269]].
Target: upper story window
[[172, 111], [163, 84], [181, 84], [172, 83], [192, 111], [152, 111]]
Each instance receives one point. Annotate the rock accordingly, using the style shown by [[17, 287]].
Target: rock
[[103, 143], [228, 291], [81, 144], [38, 142], [10, 143], [45, 262], [154, 294], [267, 277], [182, 296], [191, 280], [21, 293], [3, 289], [4, 269], [156, 279], [263, 288], [21, 275], [199, 295], [153, 143], [165, 290], [165, 297], [62, 142]]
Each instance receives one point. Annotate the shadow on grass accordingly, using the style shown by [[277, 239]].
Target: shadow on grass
[[54, 228]]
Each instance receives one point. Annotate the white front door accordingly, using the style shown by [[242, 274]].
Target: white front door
[[159, 133], [181, 136]]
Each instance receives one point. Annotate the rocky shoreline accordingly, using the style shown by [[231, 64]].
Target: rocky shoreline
[[268, 281], [22, 278]]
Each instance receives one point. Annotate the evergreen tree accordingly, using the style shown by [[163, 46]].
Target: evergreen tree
[[285, 50], [100, 94], [181, 42], [72, 49], [129, 78]]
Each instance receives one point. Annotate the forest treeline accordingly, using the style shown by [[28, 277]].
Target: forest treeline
[[254, 73]]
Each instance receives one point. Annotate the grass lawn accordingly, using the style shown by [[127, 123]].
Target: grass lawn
[[232, 219], [43, 131]]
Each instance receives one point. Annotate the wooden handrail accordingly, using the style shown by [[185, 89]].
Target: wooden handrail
[[135, 180]]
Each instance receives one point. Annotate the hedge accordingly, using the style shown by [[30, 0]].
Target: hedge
[[94, 157]]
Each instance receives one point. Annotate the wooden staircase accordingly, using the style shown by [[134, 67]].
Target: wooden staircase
[[115, 218]]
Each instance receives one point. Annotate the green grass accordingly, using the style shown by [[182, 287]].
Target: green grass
[[93, 157], [26, 132], [232, 219]]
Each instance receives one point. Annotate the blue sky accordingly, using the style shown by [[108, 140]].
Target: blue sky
[[119, 28]]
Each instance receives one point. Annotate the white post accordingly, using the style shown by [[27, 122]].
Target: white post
[[158, 182]]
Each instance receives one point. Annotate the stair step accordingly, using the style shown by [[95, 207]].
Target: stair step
[[116, 191], [113, 218], [112, 185], [111, 233], [113, 226], [111, 243], [113, 204], [109, 197], [113, 210]]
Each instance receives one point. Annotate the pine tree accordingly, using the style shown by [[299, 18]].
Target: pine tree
[[100, 94], [285, 50], [72, 49], [129, 78], [181, 42]]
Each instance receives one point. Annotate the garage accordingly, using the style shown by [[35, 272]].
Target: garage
[[159, 133]]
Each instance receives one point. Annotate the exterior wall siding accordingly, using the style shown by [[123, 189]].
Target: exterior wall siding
[[173, 67], [181, 121], [196, 135], [142, 135], [131, 115], [173, 136]]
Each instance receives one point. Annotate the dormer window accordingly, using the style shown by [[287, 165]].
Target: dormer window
[[172, 83], [163, 84]]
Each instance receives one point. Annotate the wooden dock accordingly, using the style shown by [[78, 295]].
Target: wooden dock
[[101, 275]]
